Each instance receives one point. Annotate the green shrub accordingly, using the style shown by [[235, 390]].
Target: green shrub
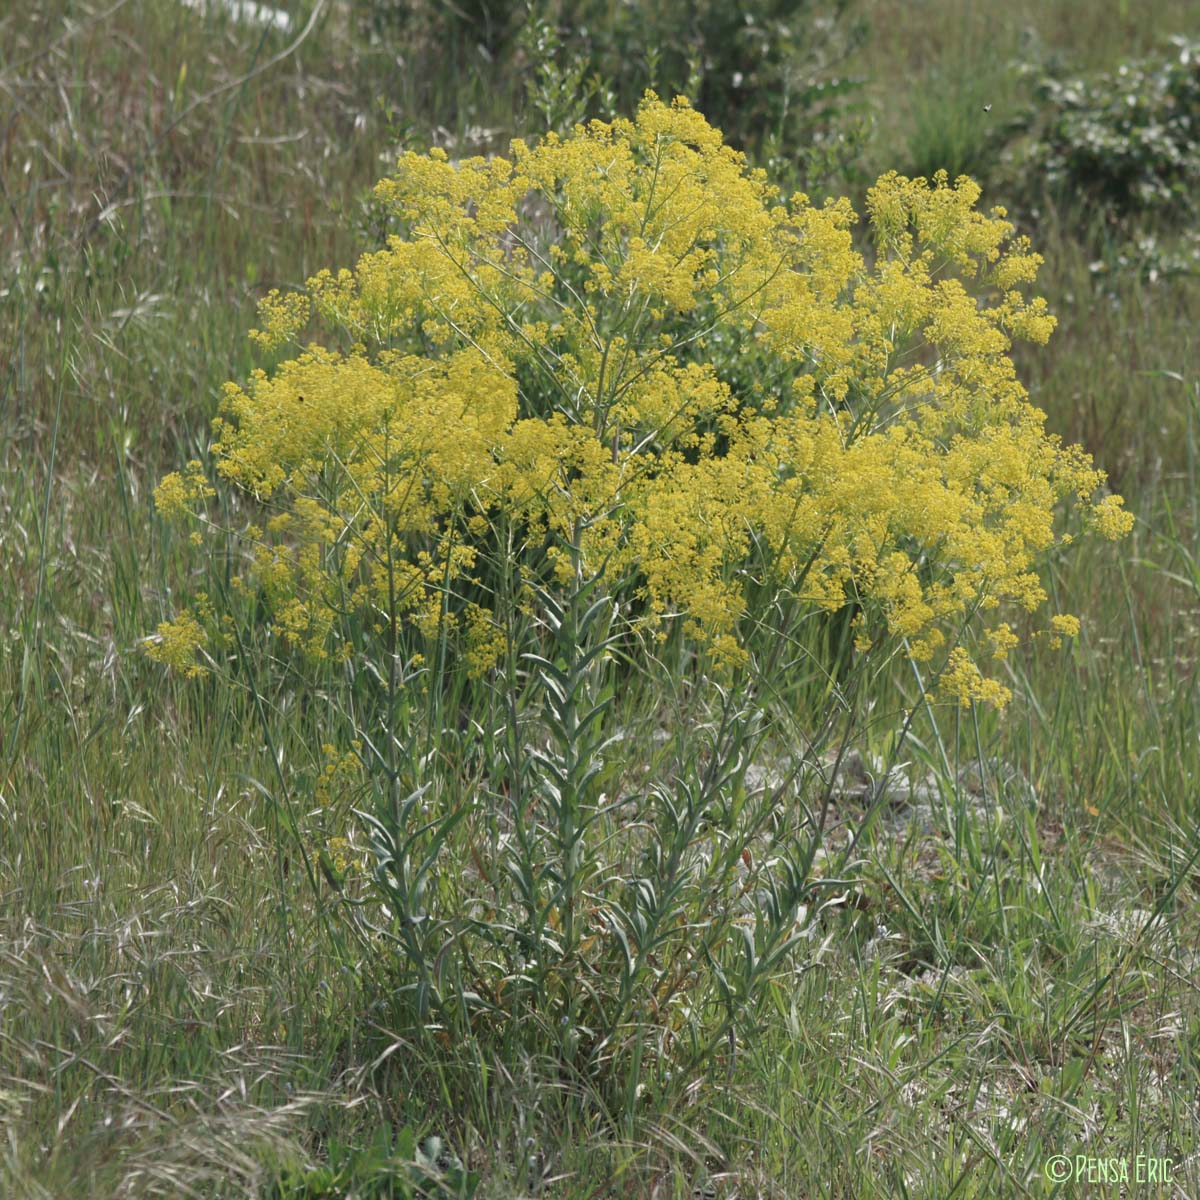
[[764, 72], [1126, 143], [757, 71]]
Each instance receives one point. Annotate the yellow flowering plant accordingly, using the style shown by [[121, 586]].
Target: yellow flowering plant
[[612, 381], [631, 348]]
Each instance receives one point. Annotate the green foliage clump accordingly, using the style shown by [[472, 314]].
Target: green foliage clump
[[761, 72], [765, 72], [1126, 143], [392, 1165]]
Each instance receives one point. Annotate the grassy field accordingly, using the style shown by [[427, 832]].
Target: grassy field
[[1000, 973]]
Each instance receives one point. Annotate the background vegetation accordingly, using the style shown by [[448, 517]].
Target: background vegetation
[[999, 965]]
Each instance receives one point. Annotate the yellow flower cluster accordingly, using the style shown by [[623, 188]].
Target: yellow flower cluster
[[176, 643], [562, 337], [340, 773], [180, 491]]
